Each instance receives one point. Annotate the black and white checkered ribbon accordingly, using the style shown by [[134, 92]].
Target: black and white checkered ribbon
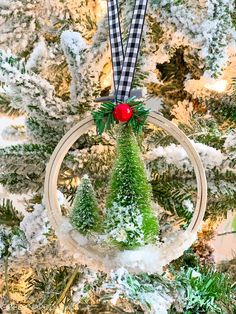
[[124, 63]]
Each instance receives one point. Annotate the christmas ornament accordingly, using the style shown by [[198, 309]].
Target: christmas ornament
[[122, 112], [149, 258], [118, 244]]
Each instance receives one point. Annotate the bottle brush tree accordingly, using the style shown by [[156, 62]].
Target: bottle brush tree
[[130, 221], [84, 215]]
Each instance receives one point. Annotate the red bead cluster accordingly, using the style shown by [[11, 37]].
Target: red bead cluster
[[123, 112]]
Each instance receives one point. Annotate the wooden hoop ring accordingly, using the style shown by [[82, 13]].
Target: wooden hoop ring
[[50, 191]]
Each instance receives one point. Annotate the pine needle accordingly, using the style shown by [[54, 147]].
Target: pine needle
[[67, 287]]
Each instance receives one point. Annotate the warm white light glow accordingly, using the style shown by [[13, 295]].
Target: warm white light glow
[[216, 85], [101, 9], [107, 80]]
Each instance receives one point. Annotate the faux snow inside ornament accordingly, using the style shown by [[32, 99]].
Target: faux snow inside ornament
[[123, 112], [135, 248]]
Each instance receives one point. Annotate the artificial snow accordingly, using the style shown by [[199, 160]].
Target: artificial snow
[[100, 256], [204, 29], [187, 204], [36, 57], [152, 259], [35, 226], [230, 141], [175, 154]]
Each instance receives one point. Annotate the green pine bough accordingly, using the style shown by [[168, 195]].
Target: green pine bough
[[84, 215], [130, 221]]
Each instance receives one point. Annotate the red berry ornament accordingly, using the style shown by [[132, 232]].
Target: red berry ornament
[[123, 112]]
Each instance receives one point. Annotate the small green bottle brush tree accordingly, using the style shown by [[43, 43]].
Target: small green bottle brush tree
[[84, 215], [129, 221]]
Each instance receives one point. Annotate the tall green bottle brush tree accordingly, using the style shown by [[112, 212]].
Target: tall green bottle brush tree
[[130, 221]]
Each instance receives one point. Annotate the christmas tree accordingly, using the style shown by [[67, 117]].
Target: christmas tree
[[130, 220], [85, 212], [54, 62]]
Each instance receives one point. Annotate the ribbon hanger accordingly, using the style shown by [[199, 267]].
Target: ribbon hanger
[[124, 63]]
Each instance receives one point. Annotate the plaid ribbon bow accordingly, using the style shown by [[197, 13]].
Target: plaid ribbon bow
[[124, 63]]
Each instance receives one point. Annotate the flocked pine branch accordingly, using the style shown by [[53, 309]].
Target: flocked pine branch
[[48, 285], [173, 180], [29, 93], [8, 214], [7, 109], [211, 287], [23, 166], [211, 46], [73, 45], [87, 65], [26, 88]]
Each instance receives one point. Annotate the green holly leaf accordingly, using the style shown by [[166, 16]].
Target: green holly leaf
[[105, 120]]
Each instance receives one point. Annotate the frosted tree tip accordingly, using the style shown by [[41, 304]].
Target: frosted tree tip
[[85, 177]]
